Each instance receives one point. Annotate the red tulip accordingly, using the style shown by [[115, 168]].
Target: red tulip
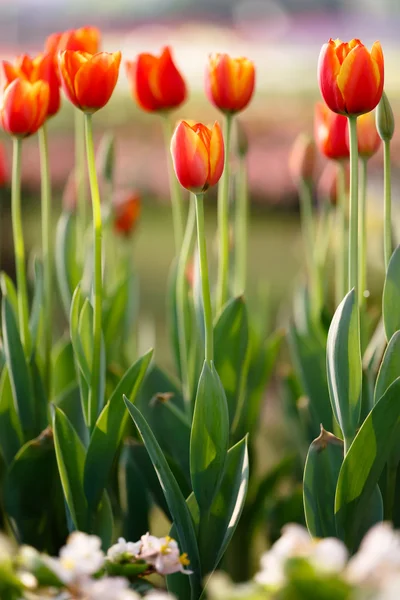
[[155, 81], [126, 212], [40, 68], [84, 39], [24, 108], [369, 141], [198, 155], [88, 80], [350, 77], [4, 177], [229, 82], [330, 131]]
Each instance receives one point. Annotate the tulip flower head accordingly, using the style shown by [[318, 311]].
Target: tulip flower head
[[368, 137], [350, 76], [24, 107], [330, 132], [198, 155], [126, 212], [40, 68], [84, 39], [156, 83], [229, 82], [88, 80]]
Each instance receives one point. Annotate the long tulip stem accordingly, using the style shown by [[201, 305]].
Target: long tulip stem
[[363, 231], [223, 221], [205, 282], [309, 239], [182, 299], [19, 247], [95, 401], [387, 203], [341, 237], [241, 227], [353, 228], [79, 176], [175, 188], [46, 253]]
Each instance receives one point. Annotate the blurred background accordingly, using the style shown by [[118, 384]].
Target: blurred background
[[283, 38]]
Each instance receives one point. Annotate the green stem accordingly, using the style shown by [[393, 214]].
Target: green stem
[[175, 188], [95, 402], [341, 232], [223, 221], [309, 240], [363, 232], [46, 252], [79, 176], [353, 228], [19, 248], [388, 203], [182, 300], [241, 227], [205, 283]]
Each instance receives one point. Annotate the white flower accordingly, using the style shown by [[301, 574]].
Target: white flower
[[163, 554], [378, 557], [123, 550], [80, 557], [108, 588], [328, 555]]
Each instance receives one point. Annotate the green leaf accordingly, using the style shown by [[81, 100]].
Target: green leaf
[[71, 454], [175, 500], [37, 303], [343, 359], [391, 296], [20, 377], [231, 345], [11, 438], [75, 332], [390, 367], [209, 437], [104, 522], [321, 472], [133, 478], [69, 400], [115, 313], [364, 462], [108, 431], [63, 367], [8, 289], [67, 270], [41, 402], [85, 332]]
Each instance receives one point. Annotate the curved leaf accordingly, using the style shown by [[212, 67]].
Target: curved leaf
[[67, 270], [390, 367], [11, 438], [391, 296]]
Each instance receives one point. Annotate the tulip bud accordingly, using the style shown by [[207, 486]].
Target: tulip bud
[[106, 157], [242, 141], [126, 206], [302, 159], [367, 136], [385, 119]]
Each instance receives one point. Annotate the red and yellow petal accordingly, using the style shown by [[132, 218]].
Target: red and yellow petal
[[359, 81], [69, 63], [140, 74], [8, 73], [245, 81], [40, 96], [328, 72], [217, 154], [96, 79], [170, 85], [190, 158], [17, 112]]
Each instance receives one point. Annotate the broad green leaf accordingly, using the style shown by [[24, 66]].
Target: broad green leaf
[[71, 454], [391, 296], [63, 367], [10, 428], [321, 472], [364, 462], [40, 398], [69, 400], [75, 331], [175, 500], [20, 376], [209, 437], [231, 346], [85, 330], [134, 476], [114, 315], [343, 359], [108, 431], [390, 367], [104, 522], [67, 270], [8, 289], [375, 349], [37, 303]]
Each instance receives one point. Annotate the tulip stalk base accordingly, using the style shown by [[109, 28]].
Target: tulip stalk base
[[19, 247], [46, 253], [223, 221], [175, 188], [363, 232], [205, 282], [387, 203], [95, 402], [241, 227], [353, 228]]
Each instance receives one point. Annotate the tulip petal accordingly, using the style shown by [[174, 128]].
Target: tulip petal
[[96, 79], [8, 73], [17, 112], [40, 96], [217, 154], [328, 71], [359, 81], [190, 158], [139, 74], [168, 85], [245, 80], [70, 62]]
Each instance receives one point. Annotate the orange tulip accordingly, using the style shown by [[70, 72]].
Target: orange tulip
[[350, 77], [229, 82], [84, 39], [198, 155], [330, 131], [368, 137], [40, 68], [126, 212], [88, 80], [156, 82], [24, 107]]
